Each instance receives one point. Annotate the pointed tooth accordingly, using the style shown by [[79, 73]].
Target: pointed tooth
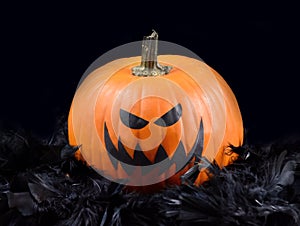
[[146, 170], [179, 155], [163, 167], [123, 154], [110, 148], [125, 159], [129, 169], [198, 146], [161, 154], [139, 157]]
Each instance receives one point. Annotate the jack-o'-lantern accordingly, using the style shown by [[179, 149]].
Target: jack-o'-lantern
[[143, 123]]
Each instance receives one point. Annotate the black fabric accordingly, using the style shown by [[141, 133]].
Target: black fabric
[[41, 183]]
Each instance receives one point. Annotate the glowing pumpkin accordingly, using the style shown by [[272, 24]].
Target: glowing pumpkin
[[147, 124]]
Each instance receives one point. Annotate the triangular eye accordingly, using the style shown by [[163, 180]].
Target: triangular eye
[[132, 121], [171, 117]]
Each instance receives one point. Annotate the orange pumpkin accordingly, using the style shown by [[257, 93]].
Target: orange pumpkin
[[147, 124]]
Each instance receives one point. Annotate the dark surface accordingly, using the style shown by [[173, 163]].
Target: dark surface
[[41, 183], [46, 47]]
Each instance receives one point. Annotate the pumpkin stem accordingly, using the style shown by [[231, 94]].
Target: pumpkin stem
[[149, 65]]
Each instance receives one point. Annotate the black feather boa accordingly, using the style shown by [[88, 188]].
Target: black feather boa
[[41, 183]]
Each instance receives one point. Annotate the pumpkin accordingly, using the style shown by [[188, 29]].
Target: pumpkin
[[147, 123]]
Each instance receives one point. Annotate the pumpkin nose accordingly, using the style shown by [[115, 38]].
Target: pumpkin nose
[[146, 131], [143, 133]]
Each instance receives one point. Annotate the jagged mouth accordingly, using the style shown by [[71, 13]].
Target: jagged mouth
[[120, 155]]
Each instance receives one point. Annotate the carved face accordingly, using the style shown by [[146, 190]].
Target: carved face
[[152, 131], [144, 130], [151, 135], [152, 138]]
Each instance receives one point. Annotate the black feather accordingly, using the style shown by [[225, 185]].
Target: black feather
[[41, 183]]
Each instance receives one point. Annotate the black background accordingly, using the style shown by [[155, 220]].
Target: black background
[[46, 47]]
